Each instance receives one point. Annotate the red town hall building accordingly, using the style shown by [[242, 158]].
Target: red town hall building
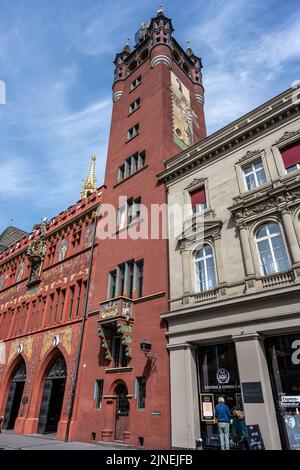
[[83, 347]]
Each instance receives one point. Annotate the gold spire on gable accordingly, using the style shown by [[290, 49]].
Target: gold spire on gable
[[89, 185]]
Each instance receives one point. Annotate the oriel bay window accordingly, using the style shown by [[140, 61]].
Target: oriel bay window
[[291, 157], [116, 341], [271, 249], [126, 280], [118, 350]]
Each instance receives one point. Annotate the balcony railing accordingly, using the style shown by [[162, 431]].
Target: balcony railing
[[278, 279], [120, 307], [206, 296]]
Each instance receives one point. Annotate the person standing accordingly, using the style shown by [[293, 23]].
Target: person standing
[[239, 429], [223, 416]]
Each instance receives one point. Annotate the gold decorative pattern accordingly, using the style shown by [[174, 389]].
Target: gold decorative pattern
[[65, 338]]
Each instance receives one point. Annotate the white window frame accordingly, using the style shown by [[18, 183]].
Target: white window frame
[[205, 269], [271, 249], [254, 173]]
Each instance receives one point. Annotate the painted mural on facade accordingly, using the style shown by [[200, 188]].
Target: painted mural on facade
[[183, 115]]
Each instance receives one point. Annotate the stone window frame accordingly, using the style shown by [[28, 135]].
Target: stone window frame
[[247, 159], [196, 183], [254, 248], [288, 138]]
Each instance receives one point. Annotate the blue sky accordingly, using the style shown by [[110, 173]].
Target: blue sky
[[56, 60]]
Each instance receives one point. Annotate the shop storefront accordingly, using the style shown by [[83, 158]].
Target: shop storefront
[[283, 355], [218, 377]]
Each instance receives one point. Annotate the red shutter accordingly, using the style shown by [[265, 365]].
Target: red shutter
[[198, 197], [291, 155]]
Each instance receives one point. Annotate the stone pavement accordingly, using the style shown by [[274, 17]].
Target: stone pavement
[[11, 441]]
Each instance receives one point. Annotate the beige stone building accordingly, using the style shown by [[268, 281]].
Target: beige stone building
[[234, 319]]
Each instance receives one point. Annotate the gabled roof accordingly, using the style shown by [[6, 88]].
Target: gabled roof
[[10, 236]]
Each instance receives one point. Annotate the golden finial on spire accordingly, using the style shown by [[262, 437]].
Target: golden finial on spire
[[90, 183]]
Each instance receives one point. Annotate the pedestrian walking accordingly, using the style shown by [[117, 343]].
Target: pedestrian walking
[[239, 429], [223, 416]]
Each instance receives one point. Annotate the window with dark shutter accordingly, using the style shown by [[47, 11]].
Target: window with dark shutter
[[291, 157], [198, 200]]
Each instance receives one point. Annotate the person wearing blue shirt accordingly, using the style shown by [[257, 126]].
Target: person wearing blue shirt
[[223, 415]]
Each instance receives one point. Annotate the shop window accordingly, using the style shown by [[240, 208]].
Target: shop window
[[198, 200], [283, 356], [254, 175], [141, 392], [271, 249], [98, 393], [205, 269], [291, 157]]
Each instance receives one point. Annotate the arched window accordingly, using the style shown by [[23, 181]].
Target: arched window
[[272, 250], [205, 269]]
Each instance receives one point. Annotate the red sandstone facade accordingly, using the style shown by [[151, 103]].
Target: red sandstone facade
[[121, 393], [143, 76], [40, 319]]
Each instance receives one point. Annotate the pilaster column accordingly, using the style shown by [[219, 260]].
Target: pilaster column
[[219, 259], [291, 235], [186, 271], [246, 250], [253, 367], [185, 413]]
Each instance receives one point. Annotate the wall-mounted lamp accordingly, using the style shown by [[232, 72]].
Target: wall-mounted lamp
[[146, 348]]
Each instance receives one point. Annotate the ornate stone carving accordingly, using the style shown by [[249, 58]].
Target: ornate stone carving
[[195, 182], [250, 154], [287, 135]]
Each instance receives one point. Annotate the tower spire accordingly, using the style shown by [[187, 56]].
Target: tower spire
[[89, 185]]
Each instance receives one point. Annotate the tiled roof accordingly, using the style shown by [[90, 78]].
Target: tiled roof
[[10, 236]]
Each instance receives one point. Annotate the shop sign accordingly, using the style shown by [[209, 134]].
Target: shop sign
[[252, 392], [207, 406], [223, 376], [255, 438], [291, 401]]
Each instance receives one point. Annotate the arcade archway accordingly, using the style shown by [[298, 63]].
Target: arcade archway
[[15, 393], [53, 396]]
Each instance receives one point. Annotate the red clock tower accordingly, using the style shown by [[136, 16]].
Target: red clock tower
[[123, 389]]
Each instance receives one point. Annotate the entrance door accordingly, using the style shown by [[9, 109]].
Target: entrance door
[[218, 377], [14, 397], [122, 412], [53, 397]]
